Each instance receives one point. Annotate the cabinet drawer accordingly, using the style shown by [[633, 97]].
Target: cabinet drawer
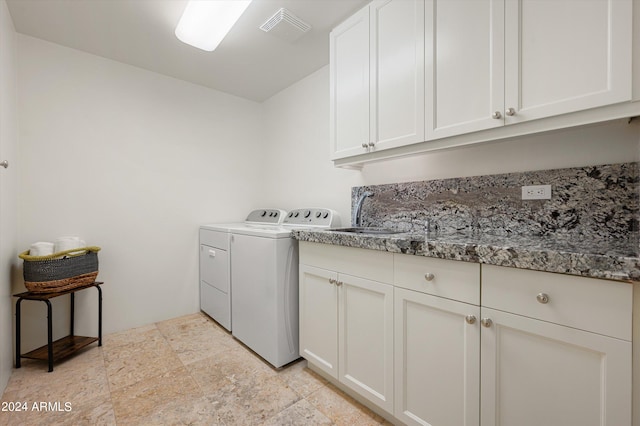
[[449, 278], [596, 305], [370, 264], [214, 238]]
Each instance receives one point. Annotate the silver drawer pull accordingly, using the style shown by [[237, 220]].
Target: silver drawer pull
[[332, 281], [338, 283], [470, 319], [429, 276], [543, 298], [486, 322]]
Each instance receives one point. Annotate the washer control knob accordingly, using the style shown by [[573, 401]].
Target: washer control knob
[[290, 214], [307, 213], [297, 214], [318, 215], [264, 213], [326, 215]]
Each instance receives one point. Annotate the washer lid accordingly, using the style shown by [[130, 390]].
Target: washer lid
[[264, 231]]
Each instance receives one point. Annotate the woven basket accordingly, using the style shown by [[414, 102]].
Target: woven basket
[[60, 271]]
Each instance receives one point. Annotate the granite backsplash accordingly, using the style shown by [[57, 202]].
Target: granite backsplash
[[594, 203]]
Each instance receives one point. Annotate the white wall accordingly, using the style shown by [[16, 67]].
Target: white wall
[[8, 189], [297, 127], [133, 162]]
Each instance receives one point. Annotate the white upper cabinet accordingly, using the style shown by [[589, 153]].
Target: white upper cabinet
[[409, 76], [491, 63], [349, 82], [464, 65], [377, 78], [563, 56]]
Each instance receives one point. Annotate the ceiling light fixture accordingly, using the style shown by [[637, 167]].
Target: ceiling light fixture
[[205, 23]]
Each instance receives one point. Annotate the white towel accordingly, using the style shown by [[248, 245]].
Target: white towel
[[41, 248], [68, 243]]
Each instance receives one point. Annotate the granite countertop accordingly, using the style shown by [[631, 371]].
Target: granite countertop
[[615, 259]]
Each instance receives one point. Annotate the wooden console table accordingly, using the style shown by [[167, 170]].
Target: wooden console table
[[61, 348]]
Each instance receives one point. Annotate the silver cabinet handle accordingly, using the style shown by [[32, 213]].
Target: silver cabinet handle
[[486, 322], [338, 283], [496, 115], [543, 298], [332, 281], [372, 144], [429, 276], [365, 145], [4, 164], [510, 112], [470, 319]]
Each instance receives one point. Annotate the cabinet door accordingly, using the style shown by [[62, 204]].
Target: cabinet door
[[349, 83], [464, 65], [565, 55], [366, 339], [537, 373], [319, 318], [437, 360], [397, 73]]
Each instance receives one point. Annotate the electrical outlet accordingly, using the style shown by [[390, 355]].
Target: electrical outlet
[[536, 192]]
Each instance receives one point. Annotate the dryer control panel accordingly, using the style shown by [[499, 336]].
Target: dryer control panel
[[316, 217], [269, 216]]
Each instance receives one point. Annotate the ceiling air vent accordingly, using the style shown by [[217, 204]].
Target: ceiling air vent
[[285, 25]]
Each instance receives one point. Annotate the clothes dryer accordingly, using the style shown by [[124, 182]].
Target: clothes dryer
[[215, 262]]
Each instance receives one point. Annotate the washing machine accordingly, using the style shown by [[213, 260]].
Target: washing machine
[[215, 262], [264, 283]]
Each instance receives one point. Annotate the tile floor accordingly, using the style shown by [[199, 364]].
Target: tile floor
[[184, 371]]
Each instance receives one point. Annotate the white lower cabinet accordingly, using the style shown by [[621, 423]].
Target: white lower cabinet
[[538, 373], [540, 349], [556, 349], [319, 318], [437, 360], [346, 330], [365, 338]]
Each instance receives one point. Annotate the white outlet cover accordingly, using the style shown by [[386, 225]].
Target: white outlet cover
[[536, 192]]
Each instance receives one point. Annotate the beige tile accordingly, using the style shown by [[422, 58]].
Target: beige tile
[[299, 414], [187, 370], [134, 335], [150, 356], [194, 338], [135, 403], [300, 379], [185, 411], [342, 409], [251, 401], [231, 366], [242, 388]]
